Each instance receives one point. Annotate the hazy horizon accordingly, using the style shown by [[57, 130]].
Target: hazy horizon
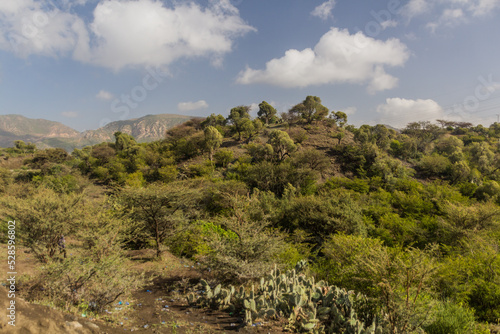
[[89, 62]]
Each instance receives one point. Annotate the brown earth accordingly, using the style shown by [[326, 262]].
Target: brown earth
[[159, 307]]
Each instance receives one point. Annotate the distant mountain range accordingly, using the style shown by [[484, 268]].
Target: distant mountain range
[[46, 134]]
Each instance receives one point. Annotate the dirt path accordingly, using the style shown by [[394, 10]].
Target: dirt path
[[159, 307]]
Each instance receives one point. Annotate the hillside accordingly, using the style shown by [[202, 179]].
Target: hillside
[[17, 127], [144, 129], [262, 227], [47, 134]]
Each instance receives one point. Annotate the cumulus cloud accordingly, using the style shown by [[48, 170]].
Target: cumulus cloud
[[324, 11], [104, 95], [122, 33], [481, 7], [146, 32], [416, 7], [450, 12], [339, 57], [33, 27], [450, 17], [69, 114], [190, 106], [399, 112]]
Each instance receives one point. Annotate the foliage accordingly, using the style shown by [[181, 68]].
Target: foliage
[[223, 157], [365, 205], [44, 217], [400, 280], [310, 109], [473, 278], [451, 318], [282, 145], [339, 118], [267, 113], [96, 275], [434, 166], [308, 306], [213, 140], [243, 248], [320, 217], [160, 208], [238, 117]]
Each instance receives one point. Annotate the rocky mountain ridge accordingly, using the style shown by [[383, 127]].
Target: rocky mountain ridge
[[46, 134]]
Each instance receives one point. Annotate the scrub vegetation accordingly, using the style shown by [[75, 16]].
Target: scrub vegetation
[[298, 218]]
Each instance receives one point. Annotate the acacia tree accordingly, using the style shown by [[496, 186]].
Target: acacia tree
[[213, 140], [339, 118], [251, 129], [123, 141], [159, 208], [213, 120], [310, 109], [23, 147], [244, 248], [43, 218], [238, 117], [267, 113], [282, 144]]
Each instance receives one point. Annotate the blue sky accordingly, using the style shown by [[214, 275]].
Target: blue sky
[[88, 62]]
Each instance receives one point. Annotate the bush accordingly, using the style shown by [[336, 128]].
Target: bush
[[298, 135], [239, 247], [320, 216], [267, 176], [45, 216], [81, 279], [434, 165], [473, 279], [400, 280], [223, 157], [97, 273], [450, 318], [489, 190], [160, 209]]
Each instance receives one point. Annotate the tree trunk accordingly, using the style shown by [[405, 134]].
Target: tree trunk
[[157, 237]]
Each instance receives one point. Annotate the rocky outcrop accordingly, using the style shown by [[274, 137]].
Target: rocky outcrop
[[47, 134]]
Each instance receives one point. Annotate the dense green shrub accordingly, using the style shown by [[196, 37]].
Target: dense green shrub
[[451, 318]]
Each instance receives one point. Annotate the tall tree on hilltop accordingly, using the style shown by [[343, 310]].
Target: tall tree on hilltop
[[238, 117], [339, 117], [311, 109], [267, 113]]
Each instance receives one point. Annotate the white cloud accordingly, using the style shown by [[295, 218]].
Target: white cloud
[[450, 12], [481, 7], [399, 112], [104, 95], [339, 57], [35, 27], [190, 106], [123, 32], [450, 17], [145, 32], [324, 11], [69, 114], [254, 109], [349, 111], [416, 7], [389, 24]]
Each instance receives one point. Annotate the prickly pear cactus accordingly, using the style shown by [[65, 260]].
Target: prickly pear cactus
[[309, 306]]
